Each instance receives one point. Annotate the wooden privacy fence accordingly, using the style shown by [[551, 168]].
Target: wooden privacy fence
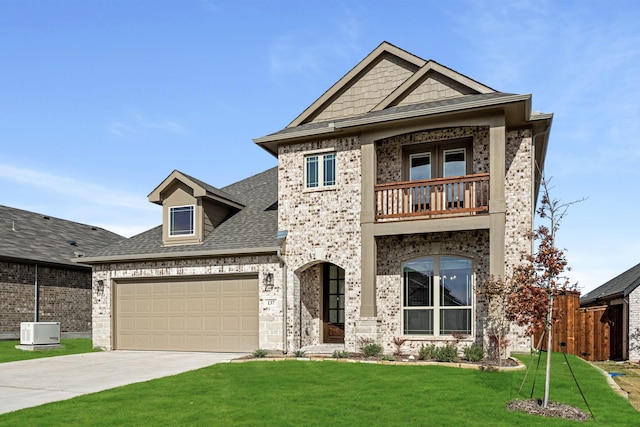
[[585, 332]]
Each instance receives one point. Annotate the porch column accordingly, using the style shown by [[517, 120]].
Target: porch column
[[497, 205], [367, 217]]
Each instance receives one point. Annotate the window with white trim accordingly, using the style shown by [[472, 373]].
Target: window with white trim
[[181, 220], [320, 170], [437, 296]]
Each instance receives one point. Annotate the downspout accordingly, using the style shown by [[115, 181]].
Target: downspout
[[283, 267], [36, 297]]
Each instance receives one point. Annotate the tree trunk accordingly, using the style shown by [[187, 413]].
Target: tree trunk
[[547, 378]]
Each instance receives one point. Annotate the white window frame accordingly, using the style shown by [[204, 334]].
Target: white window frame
[[321, 159], [171, 231], [437, 308]]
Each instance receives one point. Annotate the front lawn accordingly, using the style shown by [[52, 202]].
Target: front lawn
[[295, 393], [9, 352]]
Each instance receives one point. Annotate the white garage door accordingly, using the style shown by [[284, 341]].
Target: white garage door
[[210, 314]]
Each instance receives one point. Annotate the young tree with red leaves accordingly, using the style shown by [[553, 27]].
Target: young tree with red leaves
[[534, 283]]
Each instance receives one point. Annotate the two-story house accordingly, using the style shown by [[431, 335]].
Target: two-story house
[[397, 193]]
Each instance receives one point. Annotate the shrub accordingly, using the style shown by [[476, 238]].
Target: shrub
[[474, 353], [372, 350], [447, 353], [340, 354], [299, 353], [363, 342], [397, 341], [259, 353], [388, 358], [426, 352]]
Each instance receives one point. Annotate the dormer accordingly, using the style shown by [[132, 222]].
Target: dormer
[[191, 209]]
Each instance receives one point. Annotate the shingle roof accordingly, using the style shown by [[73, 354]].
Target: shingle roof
[[254, 226], [620, 286], [35, 237], [392, 111]]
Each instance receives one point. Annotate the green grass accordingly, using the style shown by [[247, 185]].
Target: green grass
[[9, 352], [295, 393]]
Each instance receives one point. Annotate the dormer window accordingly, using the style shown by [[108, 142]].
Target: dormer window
[[181, 220]]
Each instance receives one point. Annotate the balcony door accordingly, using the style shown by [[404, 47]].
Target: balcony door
[[454, 163]]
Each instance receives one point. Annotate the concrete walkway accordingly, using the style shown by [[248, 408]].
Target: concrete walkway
[[34, 382]]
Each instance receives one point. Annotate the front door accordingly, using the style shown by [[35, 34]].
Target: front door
[[333, 303]]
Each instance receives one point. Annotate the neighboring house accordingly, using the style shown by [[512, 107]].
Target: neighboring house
[[621, 295], [36, 254], [397, 193]]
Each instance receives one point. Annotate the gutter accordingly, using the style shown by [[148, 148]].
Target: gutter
[[182, 254], [376, 119]]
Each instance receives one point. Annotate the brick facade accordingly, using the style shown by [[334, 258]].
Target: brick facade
[[634, 325], [64, 296]]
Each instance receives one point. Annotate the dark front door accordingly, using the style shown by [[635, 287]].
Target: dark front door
[[333, 303], [615, 331]]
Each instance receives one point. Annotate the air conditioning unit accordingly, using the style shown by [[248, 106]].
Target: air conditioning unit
[[38, 333]]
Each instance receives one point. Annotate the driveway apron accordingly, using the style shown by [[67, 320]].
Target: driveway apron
[[34, 382]]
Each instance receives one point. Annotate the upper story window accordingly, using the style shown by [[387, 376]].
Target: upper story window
[[320, 170], [427, 161], [182, 220], [437, 296]]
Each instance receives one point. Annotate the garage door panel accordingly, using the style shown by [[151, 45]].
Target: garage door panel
[[198, 315]]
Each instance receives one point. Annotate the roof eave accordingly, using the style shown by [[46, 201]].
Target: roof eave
[[185, 254], [335, 127]]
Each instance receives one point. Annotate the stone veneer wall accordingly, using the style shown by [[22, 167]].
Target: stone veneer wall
[[519, 213], [634, 325], [270, 306], [394, 250], [64, 296], [323, 226]]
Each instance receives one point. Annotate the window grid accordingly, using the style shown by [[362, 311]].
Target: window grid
[[438, 296], [181, 220], [320, 170]]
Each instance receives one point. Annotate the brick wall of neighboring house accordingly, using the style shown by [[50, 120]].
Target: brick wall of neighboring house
[[270, 304], [64, 296], [634, 325], [323, 226], [394, 250]]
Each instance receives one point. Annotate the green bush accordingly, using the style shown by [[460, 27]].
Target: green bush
[[340, 354], [447, 353], [474, 353], [300, 353], [426, 352], [372, 350], [260, 353], [388, 357]]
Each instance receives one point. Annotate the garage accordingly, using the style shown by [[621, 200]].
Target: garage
[[191, 314]]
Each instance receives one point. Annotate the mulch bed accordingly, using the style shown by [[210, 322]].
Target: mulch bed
[[556, 410]]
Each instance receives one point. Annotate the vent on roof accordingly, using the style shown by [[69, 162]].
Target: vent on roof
[[72, 242], [45, 217], [78, 254]]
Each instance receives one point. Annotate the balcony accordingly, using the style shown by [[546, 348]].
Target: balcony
[[433, 198]]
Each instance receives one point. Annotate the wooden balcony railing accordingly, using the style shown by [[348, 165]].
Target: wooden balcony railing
[[463, 195]]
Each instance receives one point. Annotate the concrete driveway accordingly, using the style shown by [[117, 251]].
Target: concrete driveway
[[34, 382]]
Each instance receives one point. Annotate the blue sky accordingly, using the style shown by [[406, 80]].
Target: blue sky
[[100, 101]]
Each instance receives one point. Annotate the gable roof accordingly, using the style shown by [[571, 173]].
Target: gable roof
[[200, 189], [387, 75], [251, 230], [618, 287], [35, 238]]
